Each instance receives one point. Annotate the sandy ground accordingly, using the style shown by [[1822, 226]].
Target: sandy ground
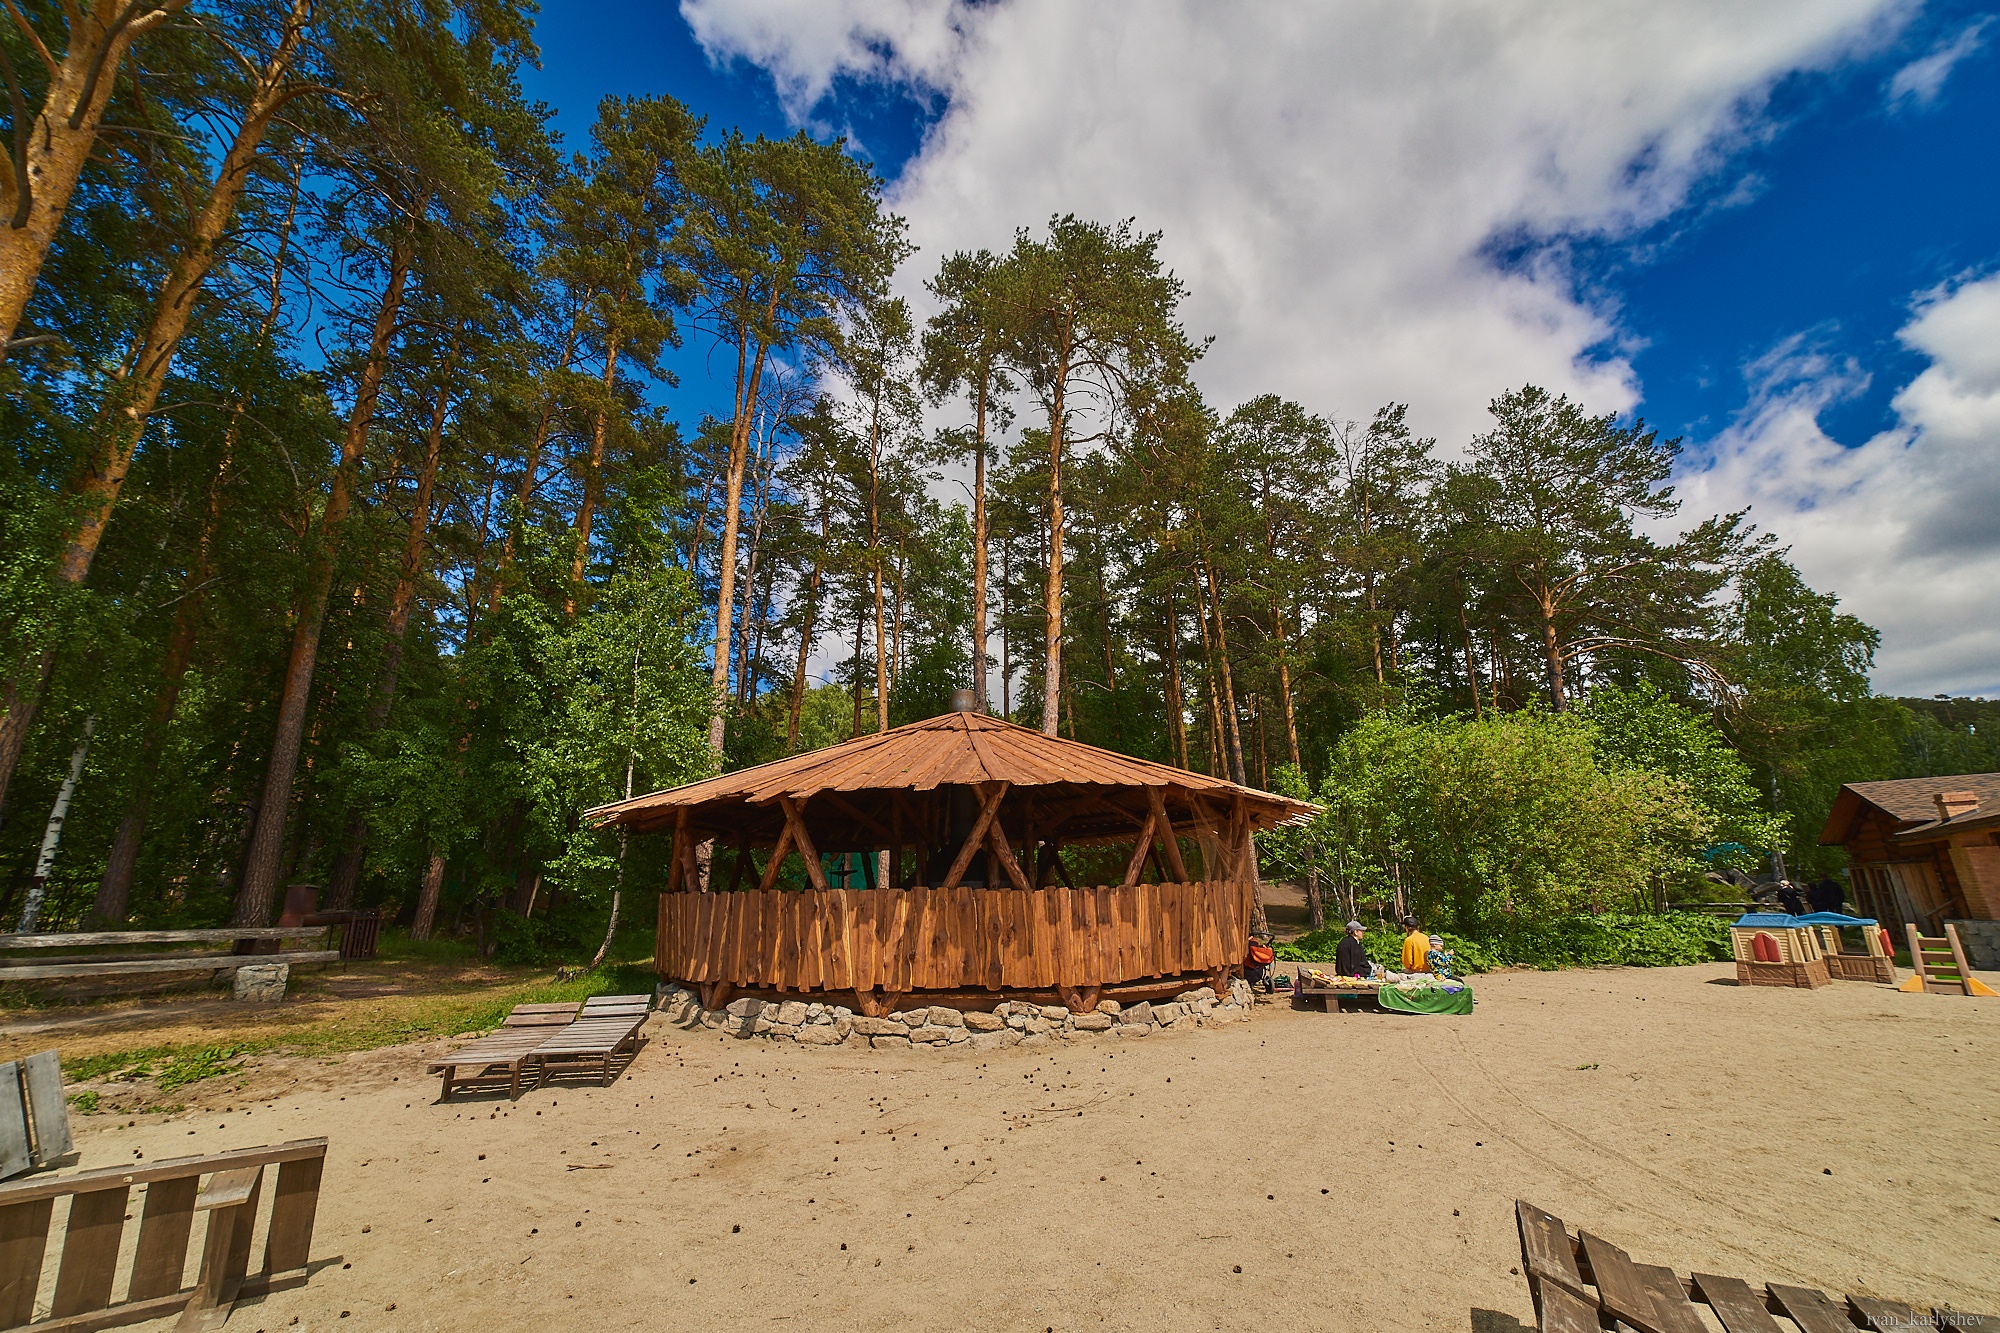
[[1303, 1171]]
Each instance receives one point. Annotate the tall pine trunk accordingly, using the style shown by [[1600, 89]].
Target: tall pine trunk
[[530, 467], [806, 629], [587, 505], [749, 383], [36, 185], [1052, 609], [346, 876], [55, 154], [979, 547], [260, 876], [114, 890], [1234, 733]]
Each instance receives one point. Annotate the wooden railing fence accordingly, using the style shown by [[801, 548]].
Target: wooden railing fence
[[93, 1232], [918, 939]]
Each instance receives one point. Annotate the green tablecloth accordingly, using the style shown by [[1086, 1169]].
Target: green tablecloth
[[1428, 1001]]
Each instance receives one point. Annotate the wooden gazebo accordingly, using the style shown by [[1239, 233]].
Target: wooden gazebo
[[962, 821]]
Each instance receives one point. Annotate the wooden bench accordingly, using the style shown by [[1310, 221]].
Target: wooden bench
[[94, 1227], [1583, 1284], [163, 964]]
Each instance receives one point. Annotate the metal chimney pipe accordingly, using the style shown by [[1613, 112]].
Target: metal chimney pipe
[[964, 701]]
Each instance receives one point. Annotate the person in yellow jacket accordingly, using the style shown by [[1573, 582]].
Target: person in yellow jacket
[[1416, 947]]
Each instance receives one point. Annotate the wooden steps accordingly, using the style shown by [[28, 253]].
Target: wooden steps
[[1940, 965]]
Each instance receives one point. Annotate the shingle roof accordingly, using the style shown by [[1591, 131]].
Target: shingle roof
[[1911, 802], [956, 748]]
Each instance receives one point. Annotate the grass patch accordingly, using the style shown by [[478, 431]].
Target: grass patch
[[355, 1027], [85, 1101]]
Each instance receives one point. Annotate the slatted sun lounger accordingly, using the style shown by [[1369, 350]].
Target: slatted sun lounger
[[607, 1025], [504, 1053], [1584, 1284]]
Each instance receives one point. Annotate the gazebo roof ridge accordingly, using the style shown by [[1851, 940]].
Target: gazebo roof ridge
[[910, 757]]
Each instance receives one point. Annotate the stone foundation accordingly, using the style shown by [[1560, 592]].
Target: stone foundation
[[1009, 1023]]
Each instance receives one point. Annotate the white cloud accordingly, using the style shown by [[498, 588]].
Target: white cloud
[[1919, 82], [1332, 182], [1329, 179], [1906, 526]]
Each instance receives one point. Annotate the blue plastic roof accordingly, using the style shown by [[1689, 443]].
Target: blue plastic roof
[[1785, 921]]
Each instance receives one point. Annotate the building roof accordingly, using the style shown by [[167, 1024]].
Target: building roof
[[961, 749], [1912, 804]]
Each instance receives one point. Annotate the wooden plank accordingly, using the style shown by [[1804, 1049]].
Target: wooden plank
[[163, 1236], [1620, 1289], [24, 1239], [21, 1191], [1870, 1312], [897, 950], [215, 962], [1813, 1311], [839, 967], [1669, 1298], [294, 1205], [90, 1251], [1049, 929], [993, 938], [16, 1150], [1563, 1313], [226, 1189], [1545, 1249], [93, 938], [1736, 1305]]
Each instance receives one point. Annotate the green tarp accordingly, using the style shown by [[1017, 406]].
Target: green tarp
[[1428, 1001]]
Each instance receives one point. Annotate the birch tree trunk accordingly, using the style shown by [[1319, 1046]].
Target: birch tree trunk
[[45, 860]]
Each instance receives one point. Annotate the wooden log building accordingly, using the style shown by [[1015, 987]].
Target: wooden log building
[[960, 823], [1921, 851]]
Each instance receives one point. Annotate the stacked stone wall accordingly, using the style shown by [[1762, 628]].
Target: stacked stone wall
[[942, 1027]]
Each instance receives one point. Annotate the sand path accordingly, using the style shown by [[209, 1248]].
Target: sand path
[[1302, 1171]]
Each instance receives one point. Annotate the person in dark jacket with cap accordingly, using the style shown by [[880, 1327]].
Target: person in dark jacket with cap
[[1350, 956]]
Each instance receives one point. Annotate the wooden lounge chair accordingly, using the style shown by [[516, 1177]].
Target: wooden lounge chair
[[607, 1025], [1581, 1284], [501, 1055]]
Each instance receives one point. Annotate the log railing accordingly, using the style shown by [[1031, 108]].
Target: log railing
[[919, 939], [224, 1187]]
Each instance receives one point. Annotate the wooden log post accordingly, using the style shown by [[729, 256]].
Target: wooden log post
[[1140, 846], [1156, 797], [996, 838], [777, 861], [989, 810], [795, 824]]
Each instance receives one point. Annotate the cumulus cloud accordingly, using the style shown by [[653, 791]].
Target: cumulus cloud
[[1906, 526], [1347, 190], [1919, 82], [1333, 182]]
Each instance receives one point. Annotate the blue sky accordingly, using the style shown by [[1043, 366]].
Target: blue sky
[[1729, 222]]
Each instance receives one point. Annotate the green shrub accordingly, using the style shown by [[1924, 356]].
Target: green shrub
[[1630, 939]]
